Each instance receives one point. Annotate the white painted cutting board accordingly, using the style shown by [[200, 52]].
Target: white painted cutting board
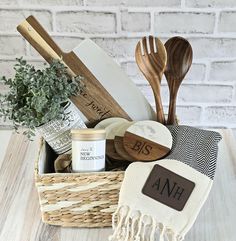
[[115, 81]]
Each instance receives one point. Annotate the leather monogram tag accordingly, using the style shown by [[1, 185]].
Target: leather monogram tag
[[168, 187]]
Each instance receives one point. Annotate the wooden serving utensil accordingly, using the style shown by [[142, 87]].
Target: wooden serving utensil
[[179, 60], [150, 55]]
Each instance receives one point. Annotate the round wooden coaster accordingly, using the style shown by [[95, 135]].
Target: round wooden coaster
[[106, 122], [111, 151], [147, 140], [112, 130], [118, 142]]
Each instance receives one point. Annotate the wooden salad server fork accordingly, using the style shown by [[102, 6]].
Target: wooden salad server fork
[[151, 58], [179, 60]]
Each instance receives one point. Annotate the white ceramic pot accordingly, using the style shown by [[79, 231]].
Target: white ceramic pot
[[57, 133]]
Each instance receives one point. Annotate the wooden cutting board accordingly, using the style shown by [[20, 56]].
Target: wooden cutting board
[[108, 92]]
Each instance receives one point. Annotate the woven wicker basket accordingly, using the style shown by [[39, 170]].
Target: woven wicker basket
[[75, 199]]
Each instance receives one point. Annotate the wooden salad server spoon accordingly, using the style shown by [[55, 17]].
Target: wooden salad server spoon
[[150, 55], [179, 60]]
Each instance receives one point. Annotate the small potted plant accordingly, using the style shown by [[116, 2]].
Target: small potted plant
[[39, 101]]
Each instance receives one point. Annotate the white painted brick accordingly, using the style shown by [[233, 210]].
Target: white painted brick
[[147, 91], [213, 47], [182, 22], [86, 22], [221, 115], [153, 3], [7, 70], [11, 18], [199, 93], [223, 71], [118, 47], [211, 3], [8, 2], [53, 2], [133, 72], [193, 93], [12, 45], [205, 93], [104, 2], [195, 74], [135, 3], [135, 22], [187, 115], [227, 22]]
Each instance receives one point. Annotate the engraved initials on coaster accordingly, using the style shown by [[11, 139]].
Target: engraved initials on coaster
[[168, 187], [147, 140]]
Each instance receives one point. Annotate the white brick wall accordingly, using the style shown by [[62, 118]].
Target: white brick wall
[[135, 22], [175, 22], [86, 22], [208, 95]]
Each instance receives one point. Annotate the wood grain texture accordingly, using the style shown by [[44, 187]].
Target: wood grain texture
[[152, 64], [20, 214], [94, 102], [4, 135], [118, 143], [179, 60], [142, 149], [111, 150]]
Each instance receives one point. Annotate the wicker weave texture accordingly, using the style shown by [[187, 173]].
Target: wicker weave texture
[[78, 199]]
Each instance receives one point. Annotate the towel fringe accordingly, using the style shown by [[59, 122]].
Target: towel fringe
[[130, 225]]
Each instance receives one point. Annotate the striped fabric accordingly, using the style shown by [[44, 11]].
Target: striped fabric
[[195, 147]]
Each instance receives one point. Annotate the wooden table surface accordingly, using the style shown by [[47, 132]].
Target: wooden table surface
[[20, 213]]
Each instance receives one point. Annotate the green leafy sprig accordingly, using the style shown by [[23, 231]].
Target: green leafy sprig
[[37, 96]]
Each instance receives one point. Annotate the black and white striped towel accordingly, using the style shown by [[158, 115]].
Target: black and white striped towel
[[195, 147], [141, 218]]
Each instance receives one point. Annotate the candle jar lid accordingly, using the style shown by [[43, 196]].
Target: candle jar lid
[[88, 134]]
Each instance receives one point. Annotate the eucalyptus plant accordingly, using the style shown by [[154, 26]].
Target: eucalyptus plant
[[37, 96]]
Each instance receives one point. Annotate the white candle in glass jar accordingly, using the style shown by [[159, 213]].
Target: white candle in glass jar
[[88, 150]]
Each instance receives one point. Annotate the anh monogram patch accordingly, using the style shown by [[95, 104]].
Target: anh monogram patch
[[168, 187]]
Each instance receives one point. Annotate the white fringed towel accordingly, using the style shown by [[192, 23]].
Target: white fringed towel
[[141, 218]]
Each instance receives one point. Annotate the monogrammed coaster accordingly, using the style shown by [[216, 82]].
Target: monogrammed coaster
[[147, 141], [168, 187]]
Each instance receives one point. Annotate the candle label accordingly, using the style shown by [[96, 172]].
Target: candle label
[[88, 155], [168, 187]]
